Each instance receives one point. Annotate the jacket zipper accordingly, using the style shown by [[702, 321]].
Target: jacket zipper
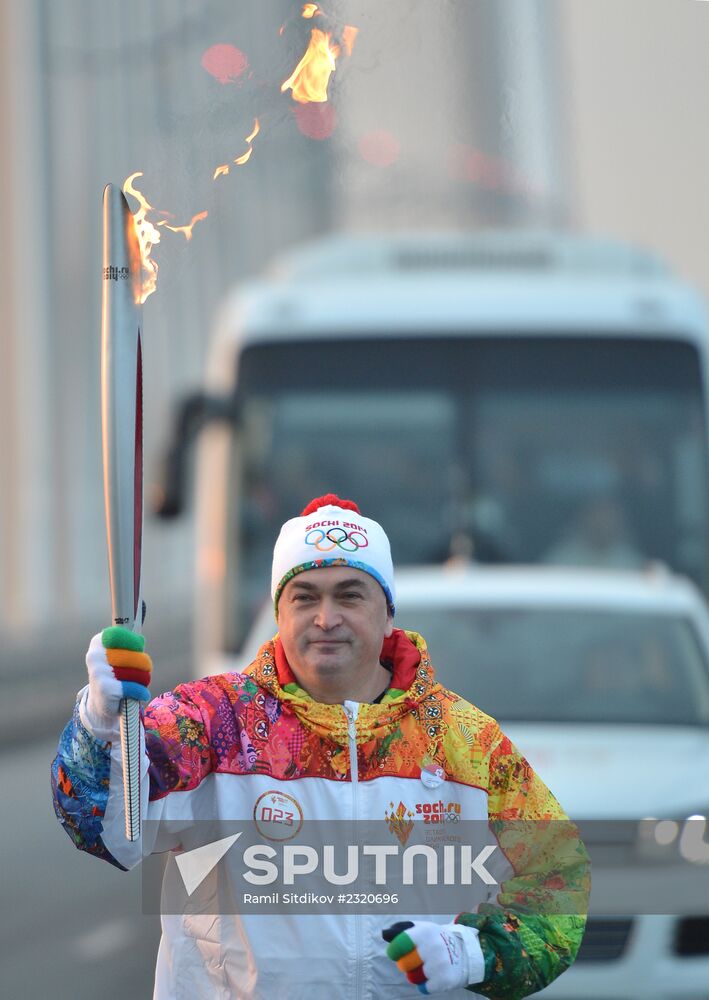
[[351, 709]]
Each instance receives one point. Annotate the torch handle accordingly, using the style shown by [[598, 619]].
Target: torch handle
[[130, 746], [122, 439]]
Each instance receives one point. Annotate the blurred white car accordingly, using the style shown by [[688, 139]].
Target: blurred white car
[[602, 679]]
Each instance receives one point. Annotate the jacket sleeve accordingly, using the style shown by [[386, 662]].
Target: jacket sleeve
[[533, 931], [81, 786], [87, 776]]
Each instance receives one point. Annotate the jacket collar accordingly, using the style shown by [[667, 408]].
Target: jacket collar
[[400, 655]]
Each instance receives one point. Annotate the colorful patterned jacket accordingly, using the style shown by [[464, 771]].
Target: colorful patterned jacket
[[222, 747]]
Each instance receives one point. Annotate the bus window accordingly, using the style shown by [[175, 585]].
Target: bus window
[[588, 451]]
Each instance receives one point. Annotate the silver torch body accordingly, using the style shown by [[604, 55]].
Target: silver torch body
[[122, 443]]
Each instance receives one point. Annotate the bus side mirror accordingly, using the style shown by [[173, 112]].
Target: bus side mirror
[[194, 413]]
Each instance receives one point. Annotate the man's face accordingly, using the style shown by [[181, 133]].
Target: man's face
[[332, 622]]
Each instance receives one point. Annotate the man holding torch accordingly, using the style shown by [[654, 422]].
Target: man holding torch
[[340, 714]]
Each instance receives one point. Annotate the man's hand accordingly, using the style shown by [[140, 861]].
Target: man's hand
[[436, 957], [118, 668]]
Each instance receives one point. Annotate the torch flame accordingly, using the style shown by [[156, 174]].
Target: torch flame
[[148, 236], [311, 76], [310, 10], [223, 169], [186, 230]]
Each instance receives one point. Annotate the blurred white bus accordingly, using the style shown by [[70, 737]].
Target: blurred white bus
[[507, 397]]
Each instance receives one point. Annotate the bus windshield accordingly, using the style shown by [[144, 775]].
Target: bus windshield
[[560, 450]]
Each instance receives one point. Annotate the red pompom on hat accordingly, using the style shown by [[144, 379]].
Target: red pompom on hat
[[329, 500]]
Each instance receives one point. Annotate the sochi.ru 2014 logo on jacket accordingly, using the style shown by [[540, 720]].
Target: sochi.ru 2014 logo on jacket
[[400, 819]]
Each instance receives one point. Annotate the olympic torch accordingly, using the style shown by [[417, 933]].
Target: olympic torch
[[122, 438]]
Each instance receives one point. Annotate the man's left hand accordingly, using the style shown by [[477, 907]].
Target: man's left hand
[[436, 957]]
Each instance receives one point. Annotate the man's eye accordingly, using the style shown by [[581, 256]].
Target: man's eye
[[353, 594], [301, 598]]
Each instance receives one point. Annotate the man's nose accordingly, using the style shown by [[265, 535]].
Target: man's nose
[[327, 616]]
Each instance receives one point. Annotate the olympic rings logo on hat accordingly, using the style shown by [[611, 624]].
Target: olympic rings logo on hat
[[348, 541]]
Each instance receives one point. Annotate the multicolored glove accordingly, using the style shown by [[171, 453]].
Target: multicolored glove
[[118, 668], [436, 957]]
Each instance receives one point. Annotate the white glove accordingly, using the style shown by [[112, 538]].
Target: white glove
[[436, 957], [100, 704]]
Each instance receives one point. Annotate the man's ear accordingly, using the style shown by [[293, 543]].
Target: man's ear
[[389, 626]]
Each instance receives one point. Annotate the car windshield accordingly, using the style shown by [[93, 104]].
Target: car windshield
[[542, 665]]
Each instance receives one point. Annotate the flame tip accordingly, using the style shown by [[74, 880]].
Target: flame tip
[[254, 132]]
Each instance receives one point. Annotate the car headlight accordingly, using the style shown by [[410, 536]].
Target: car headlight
[[665, 839]]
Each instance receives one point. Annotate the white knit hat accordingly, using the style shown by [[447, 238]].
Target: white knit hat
[[332, 532]]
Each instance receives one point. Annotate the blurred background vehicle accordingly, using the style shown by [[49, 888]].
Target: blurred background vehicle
[[536, 118], [601, 677], [509, 397]]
